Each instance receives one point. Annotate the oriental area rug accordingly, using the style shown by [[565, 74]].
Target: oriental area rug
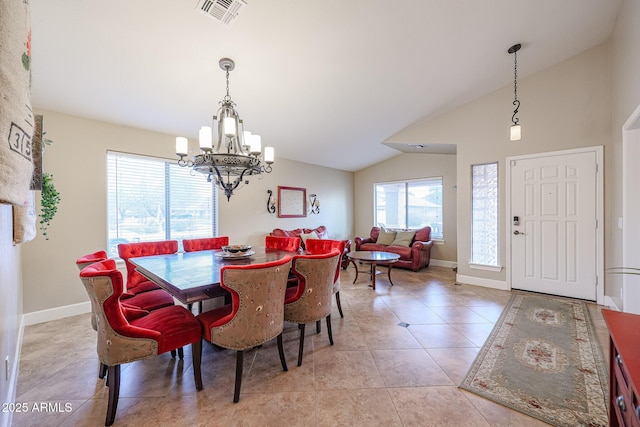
[[543, 359]]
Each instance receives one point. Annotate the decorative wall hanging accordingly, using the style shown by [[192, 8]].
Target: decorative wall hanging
[[16, 117], [271, 202], [38, 148], [315, 204]]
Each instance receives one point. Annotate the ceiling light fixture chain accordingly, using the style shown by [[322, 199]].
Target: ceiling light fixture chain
[[227, 97], [516, 128], [237, 154]]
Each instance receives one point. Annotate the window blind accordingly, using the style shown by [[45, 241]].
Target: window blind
[[151, 199]]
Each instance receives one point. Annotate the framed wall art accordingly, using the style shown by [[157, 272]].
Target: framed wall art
[[292, 202]]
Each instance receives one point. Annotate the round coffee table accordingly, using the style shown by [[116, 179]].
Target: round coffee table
[[374, 258]]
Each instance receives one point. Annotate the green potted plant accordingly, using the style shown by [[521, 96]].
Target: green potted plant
[[50, 197], [48, 203]]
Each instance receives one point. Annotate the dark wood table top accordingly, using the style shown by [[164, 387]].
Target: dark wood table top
[[195, 276], [373, 256]]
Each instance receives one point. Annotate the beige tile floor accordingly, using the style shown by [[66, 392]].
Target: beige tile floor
[[378, 373]]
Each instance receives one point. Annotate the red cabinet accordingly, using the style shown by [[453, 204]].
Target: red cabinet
[[624, 368]]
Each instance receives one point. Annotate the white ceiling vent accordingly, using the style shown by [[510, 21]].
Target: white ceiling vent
[[225, 11]]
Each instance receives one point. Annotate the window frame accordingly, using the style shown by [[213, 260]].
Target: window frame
[[406, 183], [170, 233], [474, 262]]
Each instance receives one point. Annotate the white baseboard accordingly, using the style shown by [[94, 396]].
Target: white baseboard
[[610, 303], [486, 283], [442, 263], [56, 313], [13, 375]]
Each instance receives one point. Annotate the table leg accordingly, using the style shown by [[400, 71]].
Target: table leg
[[389, 272], [373, 275], [356, 267]]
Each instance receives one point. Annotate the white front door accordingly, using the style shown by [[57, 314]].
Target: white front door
[[553, 224]]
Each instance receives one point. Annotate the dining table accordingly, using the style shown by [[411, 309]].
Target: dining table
[[195, 276]]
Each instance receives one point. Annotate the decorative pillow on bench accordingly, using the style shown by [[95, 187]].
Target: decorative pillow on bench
[[386, 237], [310, 235], [403, 238]]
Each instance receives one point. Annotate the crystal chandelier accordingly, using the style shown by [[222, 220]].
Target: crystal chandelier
[[237, 154]]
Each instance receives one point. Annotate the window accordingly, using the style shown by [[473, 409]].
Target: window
[[410, 205], [150, 199], [484, 214]]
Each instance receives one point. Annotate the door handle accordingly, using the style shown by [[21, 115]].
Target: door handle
[[518, 233]]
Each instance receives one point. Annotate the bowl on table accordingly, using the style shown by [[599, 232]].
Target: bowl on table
[[234, 249]]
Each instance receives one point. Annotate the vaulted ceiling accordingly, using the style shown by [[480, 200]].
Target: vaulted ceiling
[[323, 82]]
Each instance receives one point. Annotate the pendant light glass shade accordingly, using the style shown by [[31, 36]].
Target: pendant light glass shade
[[516, 132]]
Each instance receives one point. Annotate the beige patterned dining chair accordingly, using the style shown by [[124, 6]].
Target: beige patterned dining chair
[[127, 335], [310, 301], [255, 314], [324, 246]]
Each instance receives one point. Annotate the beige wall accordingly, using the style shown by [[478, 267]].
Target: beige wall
[[625, 96], [411, 166], [10, 306], [245, 217], [77, 161], [563, 107], [580, 102]]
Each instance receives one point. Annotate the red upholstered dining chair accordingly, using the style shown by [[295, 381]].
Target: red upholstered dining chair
[[255, 314], [81, 263], [140, 291], [323, 246], [289, 244], [126, 336], [149, 301], [204, 244], [86, 260], [310, 301], [207, 243]]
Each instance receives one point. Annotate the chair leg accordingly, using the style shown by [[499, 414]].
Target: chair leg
[[301, 348], [173, 354], [338, 303], [114, 393], [283, 361], [180, 353], [239, 362], [329, 329], [318, 326], [102, 371], [196, 356], [190, 307], [199, 307]]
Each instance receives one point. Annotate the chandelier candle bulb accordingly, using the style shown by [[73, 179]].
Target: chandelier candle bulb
[[255, 144], [205, 138], [246, 137], [182, 146], [269, 155], [229, 125]]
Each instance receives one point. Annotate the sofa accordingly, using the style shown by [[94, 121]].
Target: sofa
[[321, 233], [414, 246]]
